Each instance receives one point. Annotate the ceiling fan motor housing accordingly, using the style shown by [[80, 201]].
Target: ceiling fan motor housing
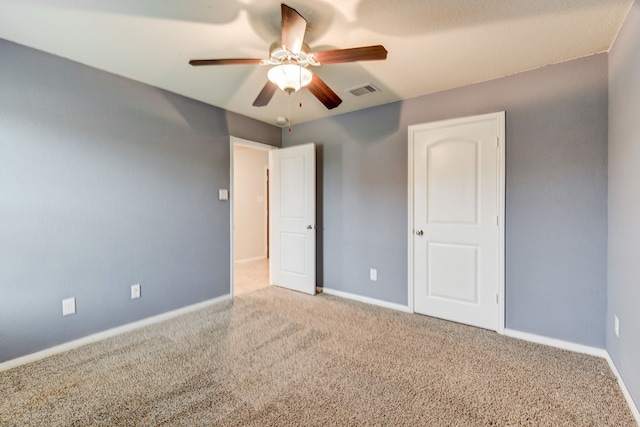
[[279, 54]]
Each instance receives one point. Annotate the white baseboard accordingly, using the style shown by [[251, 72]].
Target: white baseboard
[[366, 300], [625, 391], [245, 260], [538, 339], [553, 342], [579, 348], [565, 345], [109, 333]]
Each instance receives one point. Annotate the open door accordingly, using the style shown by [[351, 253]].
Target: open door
[[292, 193]]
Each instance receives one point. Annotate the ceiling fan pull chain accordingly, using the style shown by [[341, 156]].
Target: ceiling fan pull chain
[[289, 119], [299, 94]]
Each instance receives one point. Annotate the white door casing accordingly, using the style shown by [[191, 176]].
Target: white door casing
[[238, 142], [292, 195], [456, 220]]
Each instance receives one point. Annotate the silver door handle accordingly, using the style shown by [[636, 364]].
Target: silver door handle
[[419, 232]]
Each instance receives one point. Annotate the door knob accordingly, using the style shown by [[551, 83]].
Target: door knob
[[419, 232], [309, 227]]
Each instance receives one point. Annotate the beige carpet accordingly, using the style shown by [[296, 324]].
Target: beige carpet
[[250, 276], [278, 358]]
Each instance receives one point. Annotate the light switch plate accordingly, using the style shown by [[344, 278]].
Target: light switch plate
[[223, 194], [135, 291], [68, 306]]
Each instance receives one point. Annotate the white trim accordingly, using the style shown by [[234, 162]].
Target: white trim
[[252, 144], [502, 193], [538, 339], [410, 224], [366, 300], [553, 342], [246, 260], [109, 333], [235, 141], [623, 388], [265, 211], [501, 124], [579, 348]]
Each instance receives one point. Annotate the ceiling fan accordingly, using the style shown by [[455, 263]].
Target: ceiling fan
[[291, 57]]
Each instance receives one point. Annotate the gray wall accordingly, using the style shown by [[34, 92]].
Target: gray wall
[[624, 202], [556, 201], [105, 182]]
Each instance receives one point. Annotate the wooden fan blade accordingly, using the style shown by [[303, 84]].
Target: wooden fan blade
[[293, 28], [196, 62], [365, 53], [320, 90], [265, 94]]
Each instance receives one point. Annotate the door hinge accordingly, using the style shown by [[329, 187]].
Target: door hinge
[[497, 299], [497, 220]]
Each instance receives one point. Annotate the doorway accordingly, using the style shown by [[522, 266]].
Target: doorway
[[456, 220], [249, 216]]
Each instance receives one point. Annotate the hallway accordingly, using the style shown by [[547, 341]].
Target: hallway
[[251, 276]]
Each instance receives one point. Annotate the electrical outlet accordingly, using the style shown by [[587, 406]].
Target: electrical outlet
[[373, 274], [616, 326], [135, 291], [68, 306]]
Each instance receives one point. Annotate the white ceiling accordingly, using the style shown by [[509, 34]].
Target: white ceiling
[[433, 44]]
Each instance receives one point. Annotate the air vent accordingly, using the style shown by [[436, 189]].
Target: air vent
[[364, 89]]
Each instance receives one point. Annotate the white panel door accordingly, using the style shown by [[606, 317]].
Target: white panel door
[[456, 225], [292, 190]]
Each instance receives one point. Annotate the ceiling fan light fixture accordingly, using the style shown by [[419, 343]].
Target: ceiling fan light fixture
[[290, 57], [289, 77]]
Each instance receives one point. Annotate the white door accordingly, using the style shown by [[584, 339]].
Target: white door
[[292, 192], [458, 194]]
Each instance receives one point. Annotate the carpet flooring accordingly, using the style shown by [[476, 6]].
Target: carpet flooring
[[279, 358], [250, 276]]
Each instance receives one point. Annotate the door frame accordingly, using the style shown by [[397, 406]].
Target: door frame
[[500, 122], [239, 142]]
